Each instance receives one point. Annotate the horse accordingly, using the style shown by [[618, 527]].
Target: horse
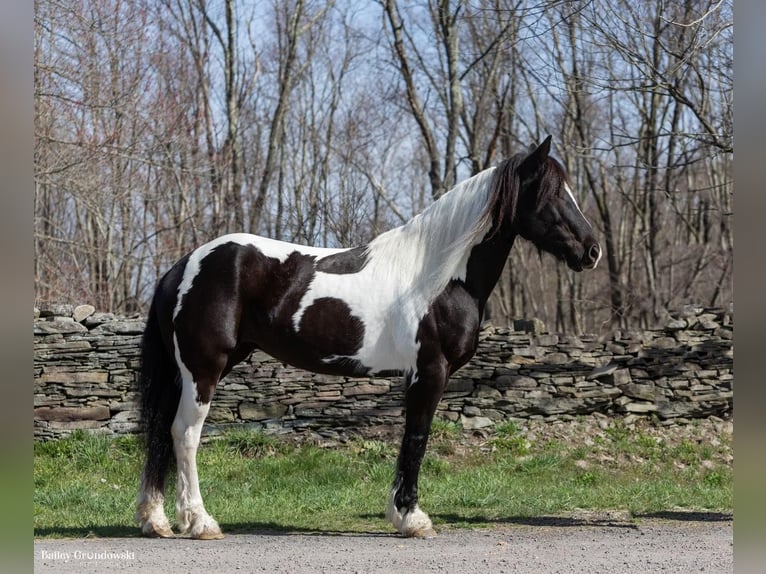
[[410, 302]]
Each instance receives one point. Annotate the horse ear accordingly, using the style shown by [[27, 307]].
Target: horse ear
[[536, 155], [542, 150], [546, 145]]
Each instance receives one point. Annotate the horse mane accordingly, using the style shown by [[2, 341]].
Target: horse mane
[[431, 247], [503, 200]]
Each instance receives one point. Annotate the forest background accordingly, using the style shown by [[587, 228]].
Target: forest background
[[161, 124]]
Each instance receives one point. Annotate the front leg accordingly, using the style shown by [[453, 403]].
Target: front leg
[[424, 391], [448, 336]]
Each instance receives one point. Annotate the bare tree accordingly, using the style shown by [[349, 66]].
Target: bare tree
[[161, 125]]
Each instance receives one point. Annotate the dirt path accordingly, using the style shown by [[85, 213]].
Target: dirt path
[[544, 545]]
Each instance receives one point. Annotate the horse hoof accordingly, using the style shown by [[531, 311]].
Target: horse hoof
[[424, 533], [151, 531], [413, 524], [209, 535]]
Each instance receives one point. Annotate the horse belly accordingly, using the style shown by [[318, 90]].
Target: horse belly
[[297, 352], [331, 339]]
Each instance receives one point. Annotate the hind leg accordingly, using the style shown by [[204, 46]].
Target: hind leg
[[192, 517], [150, 512]]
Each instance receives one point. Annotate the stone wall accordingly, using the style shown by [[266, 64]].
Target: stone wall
[[85, 364]]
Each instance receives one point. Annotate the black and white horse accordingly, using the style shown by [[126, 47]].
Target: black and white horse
[[409, 302]]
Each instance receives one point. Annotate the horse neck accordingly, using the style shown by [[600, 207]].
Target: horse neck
[[486, 263], [490, 253]]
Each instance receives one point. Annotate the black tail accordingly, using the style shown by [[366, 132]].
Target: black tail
[[160, 390]]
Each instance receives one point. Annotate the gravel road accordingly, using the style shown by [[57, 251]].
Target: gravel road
[[554, 545]]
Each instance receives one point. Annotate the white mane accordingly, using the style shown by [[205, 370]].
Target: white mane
[[433, 247]]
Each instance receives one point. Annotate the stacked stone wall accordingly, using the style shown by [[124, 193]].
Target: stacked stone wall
[[85, 365]]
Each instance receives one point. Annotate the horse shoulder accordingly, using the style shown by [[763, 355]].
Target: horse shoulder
[[451, 326]]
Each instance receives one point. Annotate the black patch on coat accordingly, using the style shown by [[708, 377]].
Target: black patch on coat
[[328, 326], [209, 322], [351, 261]]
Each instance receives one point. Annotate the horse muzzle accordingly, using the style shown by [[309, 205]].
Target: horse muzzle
[[588, 260]]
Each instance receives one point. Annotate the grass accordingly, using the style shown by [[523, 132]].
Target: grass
[[85, 485]]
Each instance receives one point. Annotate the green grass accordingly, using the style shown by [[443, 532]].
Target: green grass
[[85, 485]]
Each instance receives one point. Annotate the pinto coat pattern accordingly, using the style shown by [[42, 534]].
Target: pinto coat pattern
[[409, 302]]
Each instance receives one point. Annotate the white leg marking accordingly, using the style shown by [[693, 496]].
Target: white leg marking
[[414, 523], [150, 513], [192, 517]]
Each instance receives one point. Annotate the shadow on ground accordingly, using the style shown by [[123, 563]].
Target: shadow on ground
[[265, 528], [599, 519], [689, 516]]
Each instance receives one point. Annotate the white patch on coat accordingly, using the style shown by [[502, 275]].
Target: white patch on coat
[[571, 195], [150, 511]]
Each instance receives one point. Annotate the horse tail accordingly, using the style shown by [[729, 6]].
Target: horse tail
[[160, 391]]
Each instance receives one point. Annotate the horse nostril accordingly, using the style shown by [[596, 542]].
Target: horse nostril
[[594, 253]]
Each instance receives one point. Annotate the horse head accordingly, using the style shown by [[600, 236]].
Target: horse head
[[547, 213]]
